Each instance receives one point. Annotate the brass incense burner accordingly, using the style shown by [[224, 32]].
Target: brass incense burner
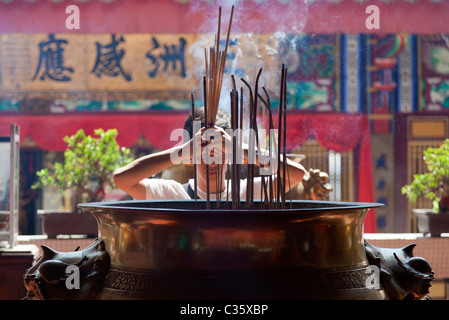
[[169, 250], [163, 250]]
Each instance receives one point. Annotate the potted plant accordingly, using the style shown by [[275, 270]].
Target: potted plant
[[89, 162], [433, 185]]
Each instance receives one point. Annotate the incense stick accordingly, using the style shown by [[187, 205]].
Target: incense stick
[[195, 188], [234, 146], [250, 166], [267, 198], [253, 130], [281, 103], [270, 142], [215, 66], [254, 127], [205, 127], [284, 156]]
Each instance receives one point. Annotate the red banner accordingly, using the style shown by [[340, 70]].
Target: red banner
[[198, 16], [335, 131]]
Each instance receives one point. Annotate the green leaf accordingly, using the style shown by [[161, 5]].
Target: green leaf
[[86, 157], [428, 184]]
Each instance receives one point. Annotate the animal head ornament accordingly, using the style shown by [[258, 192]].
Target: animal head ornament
[[402, 275], [50, 277], [317, 186]]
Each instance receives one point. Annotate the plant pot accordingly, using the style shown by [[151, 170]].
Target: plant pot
[[60, 222], [431, 222]]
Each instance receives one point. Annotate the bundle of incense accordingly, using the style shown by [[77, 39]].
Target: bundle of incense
[[215, 65]]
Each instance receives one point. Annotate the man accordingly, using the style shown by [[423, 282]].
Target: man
[[133, 178]]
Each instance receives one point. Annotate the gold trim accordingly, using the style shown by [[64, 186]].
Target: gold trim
[[374, 116], [427, 119]]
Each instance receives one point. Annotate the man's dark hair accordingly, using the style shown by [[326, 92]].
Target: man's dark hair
[[223, 120]]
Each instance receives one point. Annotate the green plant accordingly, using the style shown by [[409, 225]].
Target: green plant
[[89, 163], [433, 184]]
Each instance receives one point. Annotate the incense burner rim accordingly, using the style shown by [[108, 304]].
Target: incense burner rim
[[171, 206]]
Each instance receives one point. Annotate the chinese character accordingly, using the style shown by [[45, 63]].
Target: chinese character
[[51, 60], [171, 55], [108, 60]]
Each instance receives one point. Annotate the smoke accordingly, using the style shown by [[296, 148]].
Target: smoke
[[263, 35]]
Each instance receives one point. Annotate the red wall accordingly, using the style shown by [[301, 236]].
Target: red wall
[[168, 16]]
